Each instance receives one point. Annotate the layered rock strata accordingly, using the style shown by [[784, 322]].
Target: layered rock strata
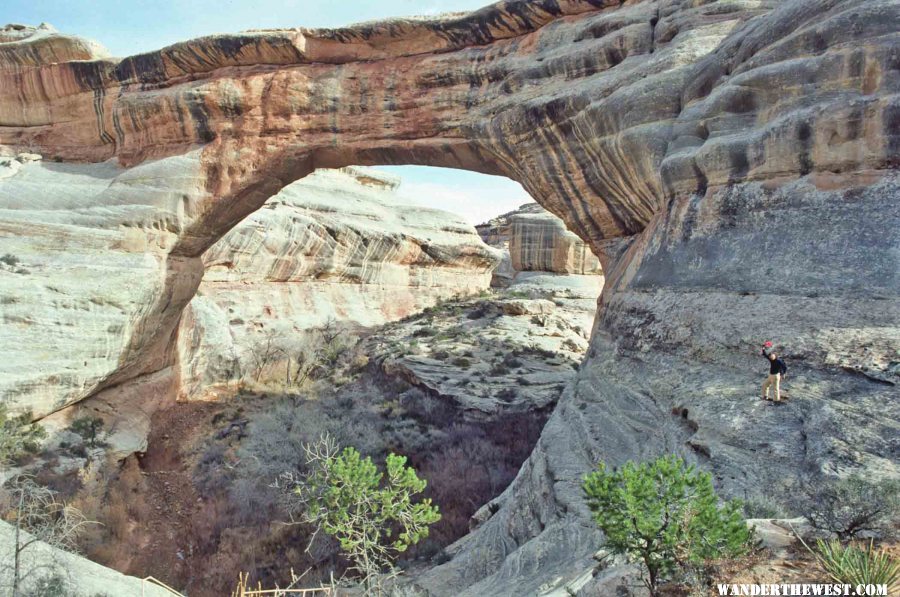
[[338, 245], [732, 163], [532, 239]]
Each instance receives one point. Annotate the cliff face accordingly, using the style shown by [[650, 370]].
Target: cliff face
[[674, 366], [87, 276], [732, 163], [339, 245], [534, 240], [541, 242]]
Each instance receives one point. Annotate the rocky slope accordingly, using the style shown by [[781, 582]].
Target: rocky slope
[[732, 163], [510, 352], [338, 245]]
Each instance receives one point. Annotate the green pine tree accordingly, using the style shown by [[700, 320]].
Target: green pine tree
[[666, 516], [89, 428], [373, 515]]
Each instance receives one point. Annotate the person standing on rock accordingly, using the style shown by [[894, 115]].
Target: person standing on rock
[[777, 371]]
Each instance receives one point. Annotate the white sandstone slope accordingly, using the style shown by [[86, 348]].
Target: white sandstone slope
[[83, 253], [82, 577], [338, 244]]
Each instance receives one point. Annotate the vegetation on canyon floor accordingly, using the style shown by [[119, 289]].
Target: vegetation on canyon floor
[[18, 436], [374, 515], [210, 467]]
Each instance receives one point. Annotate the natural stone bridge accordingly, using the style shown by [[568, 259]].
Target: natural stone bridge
[[732, 161], [603, 110]]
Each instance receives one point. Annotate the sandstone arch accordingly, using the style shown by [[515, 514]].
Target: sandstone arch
[[605, 111], [734, 162]]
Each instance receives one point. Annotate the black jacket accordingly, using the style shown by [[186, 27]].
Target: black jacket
[[776, 366]]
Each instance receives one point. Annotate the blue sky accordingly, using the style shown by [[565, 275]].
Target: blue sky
[[129, 27]]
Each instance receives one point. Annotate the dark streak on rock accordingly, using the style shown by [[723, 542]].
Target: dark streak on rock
[[702, 181], [147, 69], [200, 116], [89, 76], [891, 119], [804, 134], [117, 123]]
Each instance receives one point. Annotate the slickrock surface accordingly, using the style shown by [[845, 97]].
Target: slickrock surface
[[86, 276], [732, 163], [513, 351], [80, 575], [674, 366], [26, 46], [337, 245]]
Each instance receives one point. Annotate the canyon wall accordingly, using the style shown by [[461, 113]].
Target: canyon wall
[[87, 275], [732, 163], [337, 245]]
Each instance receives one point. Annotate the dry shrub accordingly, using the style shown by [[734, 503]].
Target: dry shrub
[[66, 484], [115, 516], [116, 502]]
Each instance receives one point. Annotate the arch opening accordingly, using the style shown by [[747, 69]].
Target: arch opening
[[347, 307]]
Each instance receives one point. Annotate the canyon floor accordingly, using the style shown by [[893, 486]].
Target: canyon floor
[[463, 389]]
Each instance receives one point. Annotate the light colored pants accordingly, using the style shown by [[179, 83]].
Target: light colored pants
[[773, 380]]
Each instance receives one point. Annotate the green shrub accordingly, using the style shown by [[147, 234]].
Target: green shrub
[[89, 428], [512, 361], [372, 514], [461, 362], [507, 394], [425, 332], [666, 516], [499, 369], [18, 435], [10, 260], [853, 565], [763, 508]]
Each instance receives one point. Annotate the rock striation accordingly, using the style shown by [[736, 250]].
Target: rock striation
[[337, 245], [533, 239], [86, 277], [732, 163]]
